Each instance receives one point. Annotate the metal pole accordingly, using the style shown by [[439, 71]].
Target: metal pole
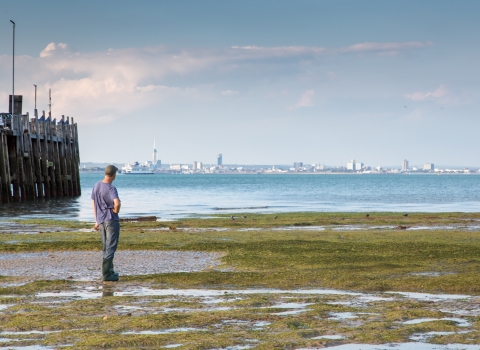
[[35, 96], [13, 70]]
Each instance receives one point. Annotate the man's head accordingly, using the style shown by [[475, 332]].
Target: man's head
[[110, 171]]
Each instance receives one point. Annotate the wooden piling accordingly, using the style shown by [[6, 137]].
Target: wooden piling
[[38, 159]]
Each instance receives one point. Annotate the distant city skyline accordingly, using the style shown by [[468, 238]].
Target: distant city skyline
[[196, 164], [277, 82]]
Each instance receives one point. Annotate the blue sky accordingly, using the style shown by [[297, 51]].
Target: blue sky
[[263, 82]]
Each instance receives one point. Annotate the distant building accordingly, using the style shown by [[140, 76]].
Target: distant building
[[354, 166], [196, 165], [428, 166], [297, 165], [154, 162], [405, 165], [351, 165], [219, 160], [175, 167]]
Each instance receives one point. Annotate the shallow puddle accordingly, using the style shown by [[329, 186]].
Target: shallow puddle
[[201, 293], [27, 332], [292, 312], [432, 297], [401, 346], [299, 308], [432, 274], [342, 315], [459, 227], [472, 311], [29, 347], [260, 325], [423, 337], [331, 337], [165, 331], [299, 228], [460, 322]]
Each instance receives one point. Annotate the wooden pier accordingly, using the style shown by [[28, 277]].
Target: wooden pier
[[39, 159]]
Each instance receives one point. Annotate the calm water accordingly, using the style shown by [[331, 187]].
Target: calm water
[[171, 196]]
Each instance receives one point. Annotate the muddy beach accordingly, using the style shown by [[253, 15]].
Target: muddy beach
[[307, 282]]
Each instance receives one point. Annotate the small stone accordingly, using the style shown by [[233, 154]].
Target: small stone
[[105, 317]]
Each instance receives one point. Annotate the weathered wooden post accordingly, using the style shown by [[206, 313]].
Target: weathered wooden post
[[5, 180], [36, 145], [44, 161], [27, 158], [68, 149], [56, 161], [76, 159], [38, 158]]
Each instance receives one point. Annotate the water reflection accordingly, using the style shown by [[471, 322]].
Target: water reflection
[[57, 208], [107, 291]]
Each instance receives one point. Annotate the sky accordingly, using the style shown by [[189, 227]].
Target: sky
[[262, 82]]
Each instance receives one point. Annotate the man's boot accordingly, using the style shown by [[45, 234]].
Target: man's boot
[[112, 271], [107, 270]]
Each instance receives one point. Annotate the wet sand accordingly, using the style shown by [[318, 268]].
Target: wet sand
[[86, 265]]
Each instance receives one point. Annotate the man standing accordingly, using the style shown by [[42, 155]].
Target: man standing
[[106, 206]]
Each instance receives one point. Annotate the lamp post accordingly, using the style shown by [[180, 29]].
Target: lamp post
[[13, 69], [35, 96]]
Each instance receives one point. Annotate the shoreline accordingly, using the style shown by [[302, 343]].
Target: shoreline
[[290, 173]]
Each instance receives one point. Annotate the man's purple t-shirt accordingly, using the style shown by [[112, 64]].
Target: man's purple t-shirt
[[103, 195]]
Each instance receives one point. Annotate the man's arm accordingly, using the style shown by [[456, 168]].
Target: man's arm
[[116, 205], [94, 215]]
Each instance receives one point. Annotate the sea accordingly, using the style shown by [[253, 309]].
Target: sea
[[177, 196]]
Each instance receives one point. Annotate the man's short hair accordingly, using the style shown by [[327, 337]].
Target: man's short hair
[[110, 170]]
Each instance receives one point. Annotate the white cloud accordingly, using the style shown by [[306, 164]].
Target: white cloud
[[306, 100], [229, 93], [280, 50], [441, 91], [99, 86], [382, 48], [55, 49]]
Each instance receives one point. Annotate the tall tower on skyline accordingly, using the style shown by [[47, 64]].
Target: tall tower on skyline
[[219, 160], [154, 155], [405, 165]]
